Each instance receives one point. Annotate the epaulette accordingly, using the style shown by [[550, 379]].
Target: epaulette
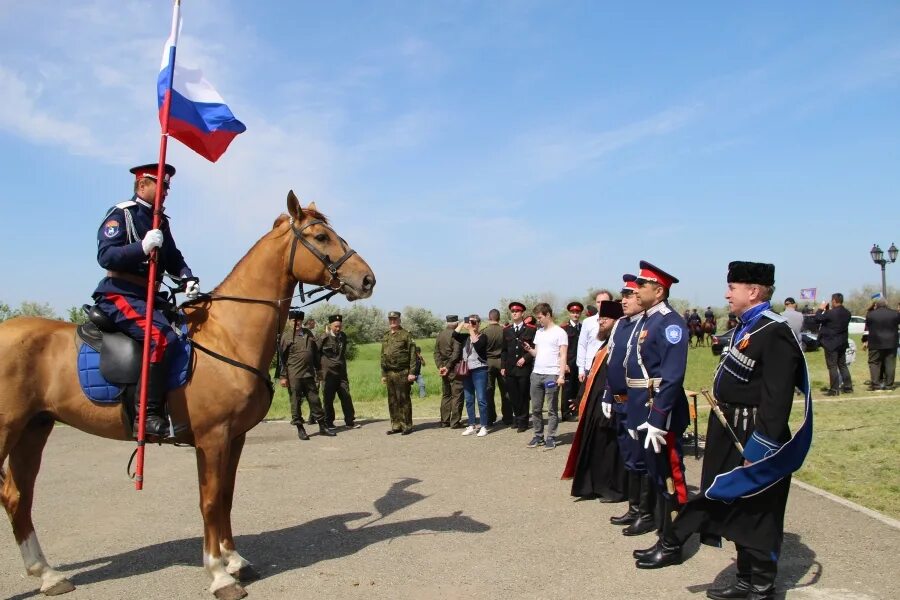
[[774, 316], [126, 204]]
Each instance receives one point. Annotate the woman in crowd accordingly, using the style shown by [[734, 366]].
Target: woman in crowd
[[474, 355]]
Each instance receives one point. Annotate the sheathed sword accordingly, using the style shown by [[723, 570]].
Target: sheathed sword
[[721, 416]]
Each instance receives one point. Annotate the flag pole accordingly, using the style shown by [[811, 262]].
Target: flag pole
[[152, 285]]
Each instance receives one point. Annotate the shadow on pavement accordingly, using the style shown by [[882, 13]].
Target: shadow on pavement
[[282, 550], [798, 568]]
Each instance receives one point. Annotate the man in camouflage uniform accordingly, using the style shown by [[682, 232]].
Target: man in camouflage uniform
[[398, 371], [300, 362], [447, 353], [333, 347]]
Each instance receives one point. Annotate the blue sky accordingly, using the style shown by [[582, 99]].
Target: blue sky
[[469, 150]]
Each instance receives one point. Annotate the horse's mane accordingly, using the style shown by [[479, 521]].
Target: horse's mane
[[280, 220]]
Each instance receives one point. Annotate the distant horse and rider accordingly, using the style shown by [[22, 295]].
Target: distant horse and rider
[[228, 393], [701, 332]]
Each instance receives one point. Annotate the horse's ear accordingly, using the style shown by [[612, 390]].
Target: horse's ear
[[312, 207], [293, 206]]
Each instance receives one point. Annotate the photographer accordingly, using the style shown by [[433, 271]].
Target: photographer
[[834, 338], [474, 354], [300, 359]]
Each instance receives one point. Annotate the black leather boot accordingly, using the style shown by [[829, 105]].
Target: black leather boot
[[663, 556], [155, 423], [324, 429], [741, 586], [646, 520], [301, 432], [762, 585], [634, 499], [668, 550]]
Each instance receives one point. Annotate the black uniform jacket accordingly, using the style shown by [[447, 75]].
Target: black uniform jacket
[[513, 350]]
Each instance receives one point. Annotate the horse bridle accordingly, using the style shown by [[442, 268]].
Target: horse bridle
[[324, 258], [277, 303]]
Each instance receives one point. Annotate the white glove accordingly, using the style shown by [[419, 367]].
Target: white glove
[[192, 289], [153, 239], [655, 436], [607, 409], [632, 433]]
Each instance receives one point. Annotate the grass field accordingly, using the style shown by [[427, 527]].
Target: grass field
[[856, 442]]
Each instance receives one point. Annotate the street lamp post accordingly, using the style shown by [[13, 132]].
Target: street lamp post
[[878, 258]]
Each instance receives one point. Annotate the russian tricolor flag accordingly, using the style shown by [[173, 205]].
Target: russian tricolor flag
[[197, 115]]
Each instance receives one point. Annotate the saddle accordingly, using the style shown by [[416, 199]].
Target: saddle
[[120, 355], [109, 362]]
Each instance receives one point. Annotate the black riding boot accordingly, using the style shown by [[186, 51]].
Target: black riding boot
[[762, 585], [301, 432], [634, 500], [324, 429], [668, 549], [646, 520], [155, 422], [741, 586]]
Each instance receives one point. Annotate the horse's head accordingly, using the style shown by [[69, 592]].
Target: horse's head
[[331, 262]]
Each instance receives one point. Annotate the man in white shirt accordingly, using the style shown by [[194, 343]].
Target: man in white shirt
[[549, 352], [588, 344]]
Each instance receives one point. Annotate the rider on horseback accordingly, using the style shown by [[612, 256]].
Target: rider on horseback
[[124, 242]]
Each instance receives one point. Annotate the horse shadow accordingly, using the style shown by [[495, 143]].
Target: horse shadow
[[797, 568], [282, 550]]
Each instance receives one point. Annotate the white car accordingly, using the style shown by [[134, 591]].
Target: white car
[[857, 325]]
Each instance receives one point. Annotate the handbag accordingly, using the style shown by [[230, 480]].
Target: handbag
[[462, 369]]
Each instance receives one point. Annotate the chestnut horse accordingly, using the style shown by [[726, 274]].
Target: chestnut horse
[[709, 329], [239, 320]]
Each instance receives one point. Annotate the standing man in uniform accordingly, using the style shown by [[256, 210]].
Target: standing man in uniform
[[398, 371], [300, 361], [124, 242], [447, 353], [640, 518], [517, 364], [572, 327], [655, 377], [333, 347], [745, 490], [493, 331]]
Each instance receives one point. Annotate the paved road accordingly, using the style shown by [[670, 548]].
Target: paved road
[[430, 515]]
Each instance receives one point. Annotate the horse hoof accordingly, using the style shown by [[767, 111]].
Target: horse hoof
[[232, 591], [246, 574], [63, 586]]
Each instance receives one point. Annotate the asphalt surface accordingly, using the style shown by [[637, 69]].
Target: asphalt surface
[[429, 515]]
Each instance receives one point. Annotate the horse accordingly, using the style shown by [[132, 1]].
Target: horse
[[695, 332], [709, 329], [239, 320]]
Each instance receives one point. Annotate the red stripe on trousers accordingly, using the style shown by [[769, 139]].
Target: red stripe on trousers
[[157, 339], [675, 467]]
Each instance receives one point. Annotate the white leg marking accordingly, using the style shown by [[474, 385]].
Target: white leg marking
[[216, 569], [234, 562], [36, 564]]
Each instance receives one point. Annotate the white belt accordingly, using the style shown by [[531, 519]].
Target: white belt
[[643, 383]]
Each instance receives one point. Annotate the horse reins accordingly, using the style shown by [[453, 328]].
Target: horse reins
[[278, 303]]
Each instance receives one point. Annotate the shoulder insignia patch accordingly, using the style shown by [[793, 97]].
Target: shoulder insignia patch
[[111, 228], [673, 334]]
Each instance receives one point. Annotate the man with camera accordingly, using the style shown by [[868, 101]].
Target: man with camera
[[833, 336], [300, 360]]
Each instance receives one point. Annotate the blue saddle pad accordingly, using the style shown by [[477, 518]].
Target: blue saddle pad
[[95, 386]]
